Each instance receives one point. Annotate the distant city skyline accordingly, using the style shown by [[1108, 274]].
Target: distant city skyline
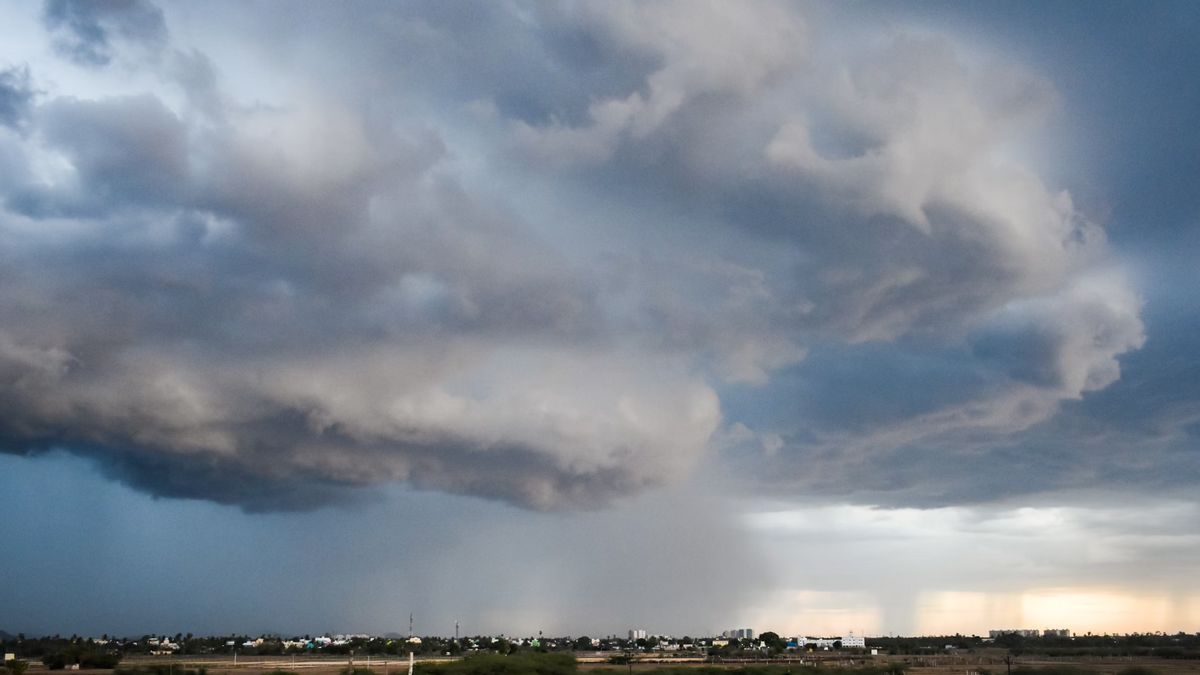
[[586, 317]]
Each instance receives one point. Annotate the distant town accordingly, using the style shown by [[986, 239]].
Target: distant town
[[740, 644]]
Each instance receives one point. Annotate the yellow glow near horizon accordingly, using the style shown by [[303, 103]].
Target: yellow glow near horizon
[[818, 613], [1080, 610]]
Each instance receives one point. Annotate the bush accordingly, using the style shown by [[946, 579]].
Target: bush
[[1052, 670], [55, 661], [1137, 670], [513, 664], [16, 667], [99, 660], [159, 669], [357, 671]]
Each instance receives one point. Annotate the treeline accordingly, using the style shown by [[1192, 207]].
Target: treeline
[[57, 653], [1177, 646], [564, 664], [1075, 670], [790, 669]]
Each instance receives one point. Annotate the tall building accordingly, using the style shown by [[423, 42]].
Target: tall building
[[739, 633], [637, 634]]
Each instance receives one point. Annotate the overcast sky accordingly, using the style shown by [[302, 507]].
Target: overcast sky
[[582, 317]]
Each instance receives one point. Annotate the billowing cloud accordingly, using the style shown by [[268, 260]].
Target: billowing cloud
[[272, 284], [16, 95], [87, 32], [254, 325]]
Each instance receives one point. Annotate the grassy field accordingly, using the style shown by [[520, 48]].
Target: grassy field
[[564, 664]]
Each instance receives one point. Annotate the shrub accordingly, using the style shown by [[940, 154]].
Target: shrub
[[1137, 670], [160, 669], [513, 664], [99, 660]]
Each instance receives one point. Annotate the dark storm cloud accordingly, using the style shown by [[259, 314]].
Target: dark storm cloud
[[86, 32], [16, 96], [125, 152], [886, 176], [317, 289], [271, 308]]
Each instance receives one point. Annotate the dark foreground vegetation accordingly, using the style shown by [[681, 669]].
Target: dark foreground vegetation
[[490, 655], [1160, 645], [529, 663], [564, 664]]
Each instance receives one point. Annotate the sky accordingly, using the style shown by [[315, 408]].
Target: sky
[[580, 317]]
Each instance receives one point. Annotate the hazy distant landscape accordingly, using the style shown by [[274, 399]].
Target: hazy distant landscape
[[766, 654], [593, 329]]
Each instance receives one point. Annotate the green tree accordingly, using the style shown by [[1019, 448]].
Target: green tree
[[774, 643]]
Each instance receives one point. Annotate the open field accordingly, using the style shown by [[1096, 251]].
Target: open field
[[966, 664], [969, 664]]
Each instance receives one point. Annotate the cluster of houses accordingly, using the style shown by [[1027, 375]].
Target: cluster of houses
[[639, 640], [850, 641], [1029, 632], [742, 637]]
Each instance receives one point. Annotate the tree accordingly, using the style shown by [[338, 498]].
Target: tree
[[1015, 642], [774, 643], [16, 667], [583, 642]]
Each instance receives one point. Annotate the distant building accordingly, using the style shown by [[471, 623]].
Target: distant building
[[1056, 632], [851, 640], [855, 641], [1023, 632], [637, 634], [739, 634]]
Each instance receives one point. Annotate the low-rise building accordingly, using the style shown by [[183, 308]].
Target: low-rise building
[[1023, 632]]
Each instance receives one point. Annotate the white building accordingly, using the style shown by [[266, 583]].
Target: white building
[[637, 634], [856, 641], [1023, 632], [850, 641]]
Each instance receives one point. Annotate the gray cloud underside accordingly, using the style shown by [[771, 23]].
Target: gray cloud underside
[[88, 32], [269, 304], [16, 95]]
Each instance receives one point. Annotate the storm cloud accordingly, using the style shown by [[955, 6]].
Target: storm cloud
[[88, 33], [278, 285]]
